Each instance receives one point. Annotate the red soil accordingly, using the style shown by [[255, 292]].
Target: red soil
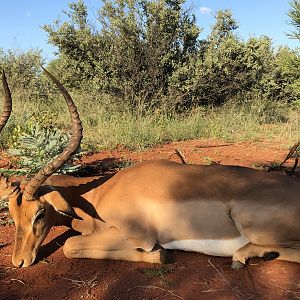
[[190, 276]]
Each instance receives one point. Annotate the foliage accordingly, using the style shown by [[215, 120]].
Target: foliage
[[141, 76], [227, 67], [35, 144], [157, 272], [23, 72], [147, 54], [286, 75], [223, 71], [294, 15], [139, 46], [78, 46], [21, 67], [224, 26], [108, 127]]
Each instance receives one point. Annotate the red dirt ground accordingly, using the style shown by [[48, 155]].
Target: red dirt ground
[[190, 276]]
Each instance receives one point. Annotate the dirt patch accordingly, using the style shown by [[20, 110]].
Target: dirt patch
[[190, 276], [201, 152]]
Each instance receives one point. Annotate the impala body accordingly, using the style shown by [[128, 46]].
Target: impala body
[[216, 210], [144, 209]]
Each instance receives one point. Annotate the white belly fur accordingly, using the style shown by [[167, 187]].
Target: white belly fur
[[223, 247]]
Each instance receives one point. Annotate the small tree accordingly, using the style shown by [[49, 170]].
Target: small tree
[[227, 68], [78, 44], [224, 26], [294, 15], [21, 67], [138, 46], [23, 71]]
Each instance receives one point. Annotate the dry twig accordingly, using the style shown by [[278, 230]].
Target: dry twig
[[158, 288], [294, 293], [181, 156], [234, 290], [292, 152], [80, 283], [18, 280]]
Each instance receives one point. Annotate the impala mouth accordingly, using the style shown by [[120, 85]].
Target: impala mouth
[[21, 263], [29, 262], [26, 261]]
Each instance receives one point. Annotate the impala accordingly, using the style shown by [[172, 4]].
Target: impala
[[152, 206]]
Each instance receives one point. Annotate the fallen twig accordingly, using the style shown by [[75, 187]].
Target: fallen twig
[[235, 291], [157, 288], [212, 290], [293, 151], [19, 280], [181, 156], [86, 284], [294, 293], [80, 283]]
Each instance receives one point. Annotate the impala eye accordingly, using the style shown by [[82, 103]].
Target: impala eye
[[40, 215]]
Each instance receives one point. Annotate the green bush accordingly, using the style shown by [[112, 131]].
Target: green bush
[[138, 45], [24, 73], [294, 15], [34, 144], [146, 55]]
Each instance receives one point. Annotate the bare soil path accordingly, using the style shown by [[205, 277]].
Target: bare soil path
[[191, 276]]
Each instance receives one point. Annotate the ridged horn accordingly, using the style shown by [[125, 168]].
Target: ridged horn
[[7, 102], [59, 160]]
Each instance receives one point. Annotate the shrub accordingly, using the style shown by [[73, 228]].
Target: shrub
[[35, 144]]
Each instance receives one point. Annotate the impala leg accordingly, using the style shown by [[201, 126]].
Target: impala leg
[[250, 250], [111, 244]]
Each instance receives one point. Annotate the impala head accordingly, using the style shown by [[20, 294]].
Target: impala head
[[33, 207], [33, 220]]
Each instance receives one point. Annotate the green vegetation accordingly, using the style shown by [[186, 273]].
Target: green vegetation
[[294, 15], [106, 127], [156, 272], [141, 75], [34, 145]]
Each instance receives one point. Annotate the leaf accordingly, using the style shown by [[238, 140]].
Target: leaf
[[38, 146]]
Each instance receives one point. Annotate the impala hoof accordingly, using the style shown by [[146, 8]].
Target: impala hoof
[[236, 265], [270, 255], [160, 256]]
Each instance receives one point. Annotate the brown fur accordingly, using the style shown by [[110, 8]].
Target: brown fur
[[159, 202]]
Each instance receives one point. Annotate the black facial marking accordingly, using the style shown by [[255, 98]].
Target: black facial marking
[[40, 215], [19, 200]]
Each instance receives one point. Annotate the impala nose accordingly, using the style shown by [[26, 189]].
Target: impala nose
[[21, 262]]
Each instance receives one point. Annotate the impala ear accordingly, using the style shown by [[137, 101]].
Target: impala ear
[[60, 204]]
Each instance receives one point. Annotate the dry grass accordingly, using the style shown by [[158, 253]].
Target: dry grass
[[153, 287], [86, 284], [107, 126], [238, 294], [295, 294]]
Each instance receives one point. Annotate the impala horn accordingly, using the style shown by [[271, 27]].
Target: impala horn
[[59, 160], [7, 102]]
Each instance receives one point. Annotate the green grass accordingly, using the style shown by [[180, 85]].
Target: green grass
[[107, 126], [156, 272]]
